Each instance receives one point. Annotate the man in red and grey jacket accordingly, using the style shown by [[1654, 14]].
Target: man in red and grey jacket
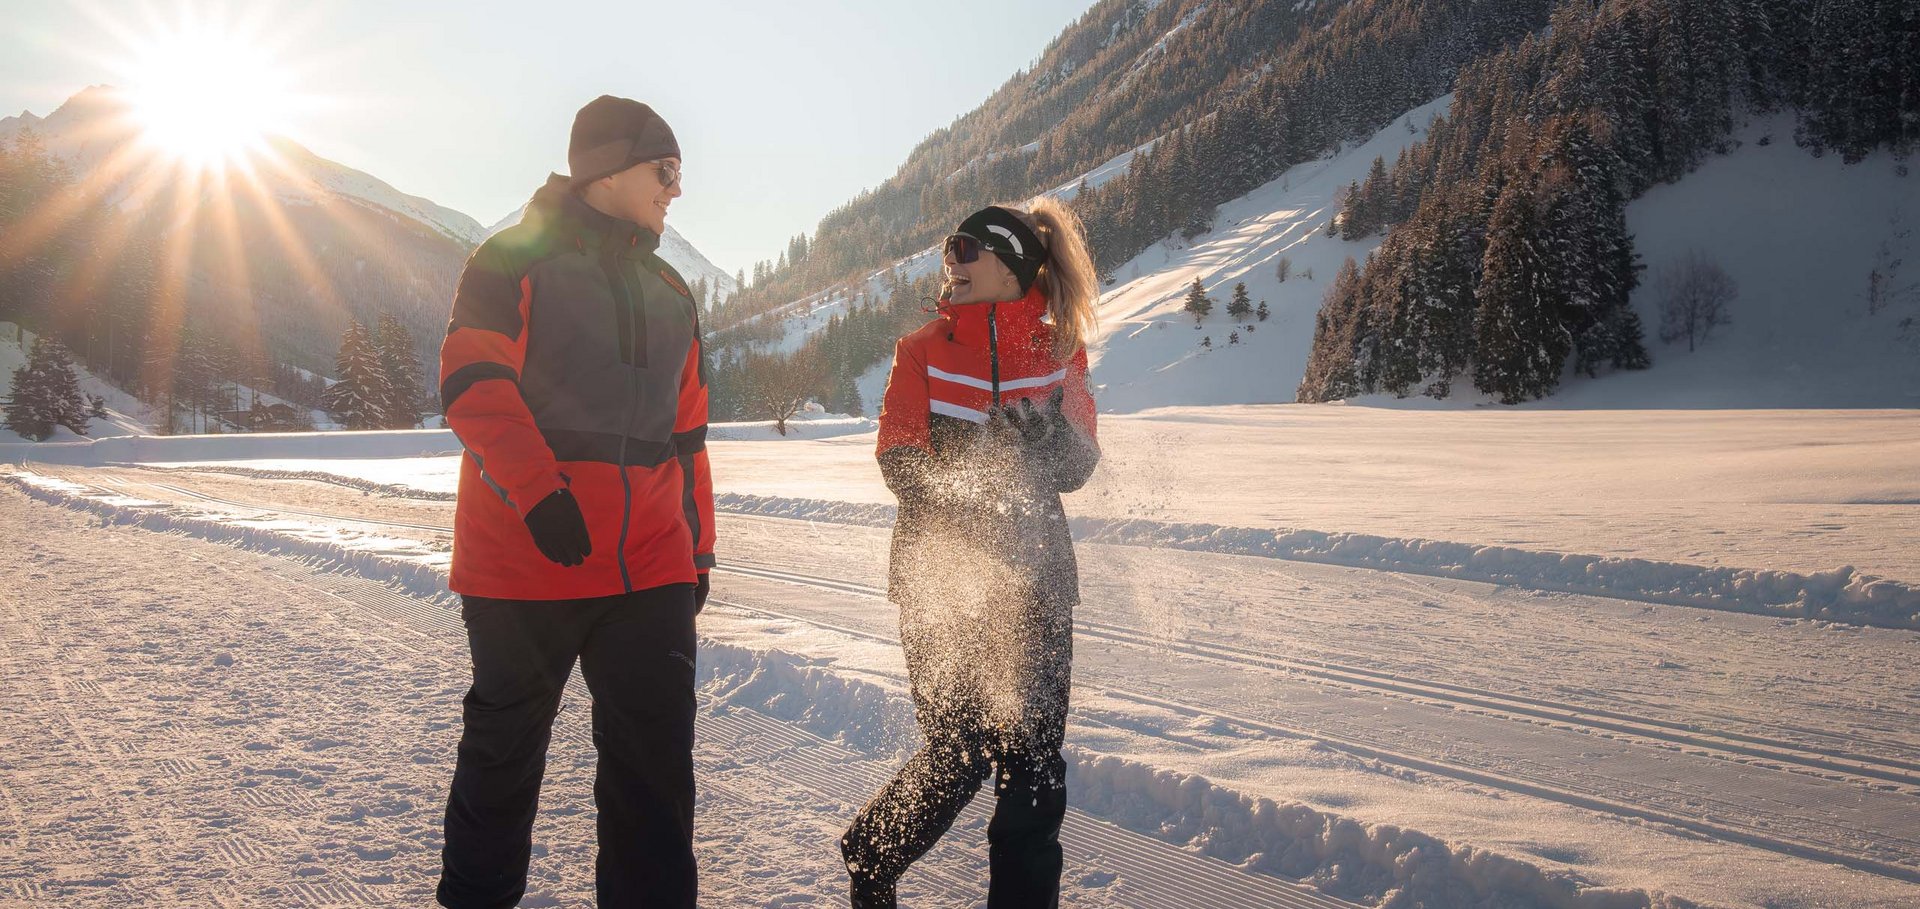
[[572, 374]]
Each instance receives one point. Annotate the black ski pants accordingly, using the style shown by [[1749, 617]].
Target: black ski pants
[[636, 652], [978, 707]]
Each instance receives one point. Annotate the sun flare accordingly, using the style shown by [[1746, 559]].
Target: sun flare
[[207, 97]]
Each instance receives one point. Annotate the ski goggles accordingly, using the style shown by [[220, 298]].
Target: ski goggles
[[965, 249]]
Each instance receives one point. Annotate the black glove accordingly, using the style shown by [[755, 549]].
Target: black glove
[[1062, 458], [559, 529], [700, 594], [1040, 428]]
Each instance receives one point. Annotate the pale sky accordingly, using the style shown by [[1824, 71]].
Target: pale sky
[[783, 110]]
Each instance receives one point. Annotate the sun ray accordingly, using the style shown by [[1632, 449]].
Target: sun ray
[[167, 314], [181, 182], [291, 243]]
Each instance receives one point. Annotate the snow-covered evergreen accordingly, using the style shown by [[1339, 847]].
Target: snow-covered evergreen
[[46, 393], [361, 397]]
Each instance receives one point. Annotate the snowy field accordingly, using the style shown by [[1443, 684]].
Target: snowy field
[[258, 707]]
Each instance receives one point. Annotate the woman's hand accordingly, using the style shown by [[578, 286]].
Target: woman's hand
[[1053, 449], [1038, 428]]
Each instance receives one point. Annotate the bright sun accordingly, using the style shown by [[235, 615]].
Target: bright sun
[[207, 97]]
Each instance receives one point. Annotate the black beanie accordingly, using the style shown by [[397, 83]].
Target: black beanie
[[612, 134], [1002, 233]]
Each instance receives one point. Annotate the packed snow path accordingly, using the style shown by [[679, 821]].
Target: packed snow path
[[1640, 744], [191, 724]]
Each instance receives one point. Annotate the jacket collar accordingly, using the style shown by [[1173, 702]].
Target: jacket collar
[[967, 322], [558, 205]]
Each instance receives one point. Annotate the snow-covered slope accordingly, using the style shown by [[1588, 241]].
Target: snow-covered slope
[[1799, 234], [346, 181], [124, 412], [675, 248], [1150, 352]]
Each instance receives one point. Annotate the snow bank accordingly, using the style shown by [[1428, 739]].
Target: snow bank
[[237, 446], [802, 426], [1838, 595], [399, 443], [423, 576], [1379, 864]]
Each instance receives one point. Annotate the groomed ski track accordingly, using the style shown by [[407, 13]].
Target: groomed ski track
[[748, 746], [1728, 785]]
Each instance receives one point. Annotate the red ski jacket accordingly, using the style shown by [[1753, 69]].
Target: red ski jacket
[[573, 359], [971, 498], [974, 357]]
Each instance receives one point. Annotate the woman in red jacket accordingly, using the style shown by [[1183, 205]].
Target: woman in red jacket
[[987, 419]]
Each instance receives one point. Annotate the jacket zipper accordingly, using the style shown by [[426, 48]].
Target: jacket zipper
[[626, 429], [993, 349]]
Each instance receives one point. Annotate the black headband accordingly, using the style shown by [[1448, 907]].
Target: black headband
[[1002, 233]]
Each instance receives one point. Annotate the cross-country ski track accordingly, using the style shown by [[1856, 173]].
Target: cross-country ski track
[[1828, 795]]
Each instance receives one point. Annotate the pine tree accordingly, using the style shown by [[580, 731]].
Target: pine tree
[[1241, 305], [357, 399], [1379, 193], [400, 373], [1198, 303], [1262, 311], [1356, 220], [46, 393], [1520, 343], [1331, 372]]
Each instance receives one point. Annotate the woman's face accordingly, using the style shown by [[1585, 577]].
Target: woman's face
[[984, 280]]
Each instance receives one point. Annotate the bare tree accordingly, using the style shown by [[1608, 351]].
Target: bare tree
[[1694, 294], [780, 386], [1883, 281]]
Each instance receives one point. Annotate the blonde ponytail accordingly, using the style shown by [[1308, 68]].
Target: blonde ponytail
[[1067, 277]]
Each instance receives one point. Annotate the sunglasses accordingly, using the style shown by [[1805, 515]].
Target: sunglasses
[[668, 175], [964, 248]]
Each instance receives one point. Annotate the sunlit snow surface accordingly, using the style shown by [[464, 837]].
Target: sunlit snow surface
[[1180, 712]]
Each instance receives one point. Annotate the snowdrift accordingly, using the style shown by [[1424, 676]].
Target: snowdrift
[[398, 443], [1838, 595]]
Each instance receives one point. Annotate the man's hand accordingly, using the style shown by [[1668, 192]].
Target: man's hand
[[700, 594], [559, 529]]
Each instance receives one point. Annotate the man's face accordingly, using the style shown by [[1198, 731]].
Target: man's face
[[641, 193]]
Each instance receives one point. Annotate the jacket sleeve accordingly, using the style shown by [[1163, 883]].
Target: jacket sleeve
[[905, 448], [1079, 450], [690, 444], [480, 364]]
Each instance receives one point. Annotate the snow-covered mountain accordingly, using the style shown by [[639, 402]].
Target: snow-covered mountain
[[94, 130], [318, 243], [1799, 234]]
